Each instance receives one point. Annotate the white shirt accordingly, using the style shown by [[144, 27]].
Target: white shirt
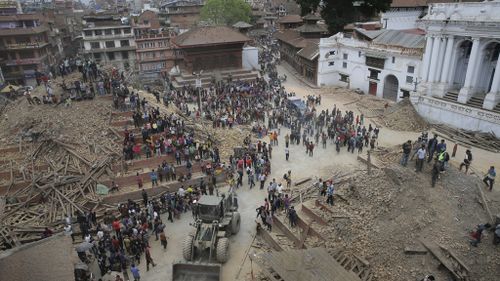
[[421, 153], [181, 192]]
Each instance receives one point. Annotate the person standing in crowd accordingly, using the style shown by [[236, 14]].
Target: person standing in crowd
[[420, 158], [135, 273], [406, 153]]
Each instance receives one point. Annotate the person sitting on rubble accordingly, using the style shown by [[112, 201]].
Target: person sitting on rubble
[[477, 233]]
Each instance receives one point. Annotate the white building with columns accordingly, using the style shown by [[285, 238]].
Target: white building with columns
[[460, 70]]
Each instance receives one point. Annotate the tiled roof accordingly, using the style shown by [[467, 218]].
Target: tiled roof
[[209, 35], [290, 19], [291, 37], [311, 17], [312, 28], [310, 51]]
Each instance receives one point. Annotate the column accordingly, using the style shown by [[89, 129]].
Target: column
[[434, 59], [427, 58], [466, 91], [493, 97], [442, 49], [447, 59]]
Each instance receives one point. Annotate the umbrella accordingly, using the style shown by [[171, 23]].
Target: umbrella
[[84, 246], [102, 189]]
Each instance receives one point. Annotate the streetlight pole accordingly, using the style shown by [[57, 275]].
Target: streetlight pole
[[198, 87]]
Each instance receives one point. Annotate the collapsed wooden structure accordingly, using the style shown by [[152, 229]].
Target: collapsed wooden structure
[[64, 188]]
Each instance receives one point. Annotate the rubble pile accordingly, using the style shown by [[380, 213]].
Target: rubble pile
[[403, 117], [382, 215], [84, 125]]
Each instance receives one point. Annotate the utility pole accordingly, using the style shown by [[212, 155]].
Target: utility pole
[[198, 87]]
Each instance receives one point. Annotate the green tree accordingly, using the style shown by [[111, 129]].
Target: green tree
[[338, 13], [227, 12]]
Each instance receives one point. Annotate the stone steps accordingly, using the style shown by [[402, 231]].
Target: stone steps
[[206, 78]]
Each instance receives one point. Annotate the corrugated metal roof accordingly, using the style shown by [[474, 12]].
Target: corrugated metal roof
[[401, 39], [370, 33]]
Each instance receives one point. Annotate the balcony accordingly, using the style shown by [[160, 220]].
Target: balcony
[[23, 31], [22, 46], [25, 61], [165, 58], [116, 49]]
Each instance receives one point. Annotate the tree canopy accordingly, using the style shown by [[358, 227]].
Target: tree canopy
[[338, 13], [227, 12]]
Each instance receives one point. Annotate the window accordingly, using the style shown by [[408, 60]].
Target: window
[[111, 56], [124, 55], [331, 63], [110, 44], [108, 32], [126, 30], [373, 74], [344, 78], [332, 53], [124, 43], [411, 69], [393, 59], [117, 31], [87, 32], [26, 54], [359, 54], [145, 22], [346, 56], [344, 65], [98, 32], [97, 56], [409, 79], [406, 94], [94, 45]]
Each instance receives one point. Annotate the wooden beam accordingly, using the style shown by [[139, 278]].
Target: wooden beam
[[305, 232], [485, 204]]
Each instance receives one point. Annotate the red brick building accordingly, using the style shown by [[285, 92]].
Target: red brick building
[[146, 21], [183, 14], [210, 48], [24, 47], [154, 54]]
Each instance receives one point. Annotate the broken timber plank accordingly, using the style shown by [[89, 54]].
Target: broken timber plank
[[282, 227], [313, 215], [415, 251], [269, 239], [304, 234], [485, 203], [445, 261], [301, 181], [455, 257]]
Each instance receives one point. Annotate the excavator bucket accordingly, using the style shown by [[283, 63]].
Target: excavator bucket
[[196, 272]]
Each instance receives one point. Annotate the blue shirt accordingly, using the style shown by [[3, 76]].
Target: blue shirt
[[135, 272]]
